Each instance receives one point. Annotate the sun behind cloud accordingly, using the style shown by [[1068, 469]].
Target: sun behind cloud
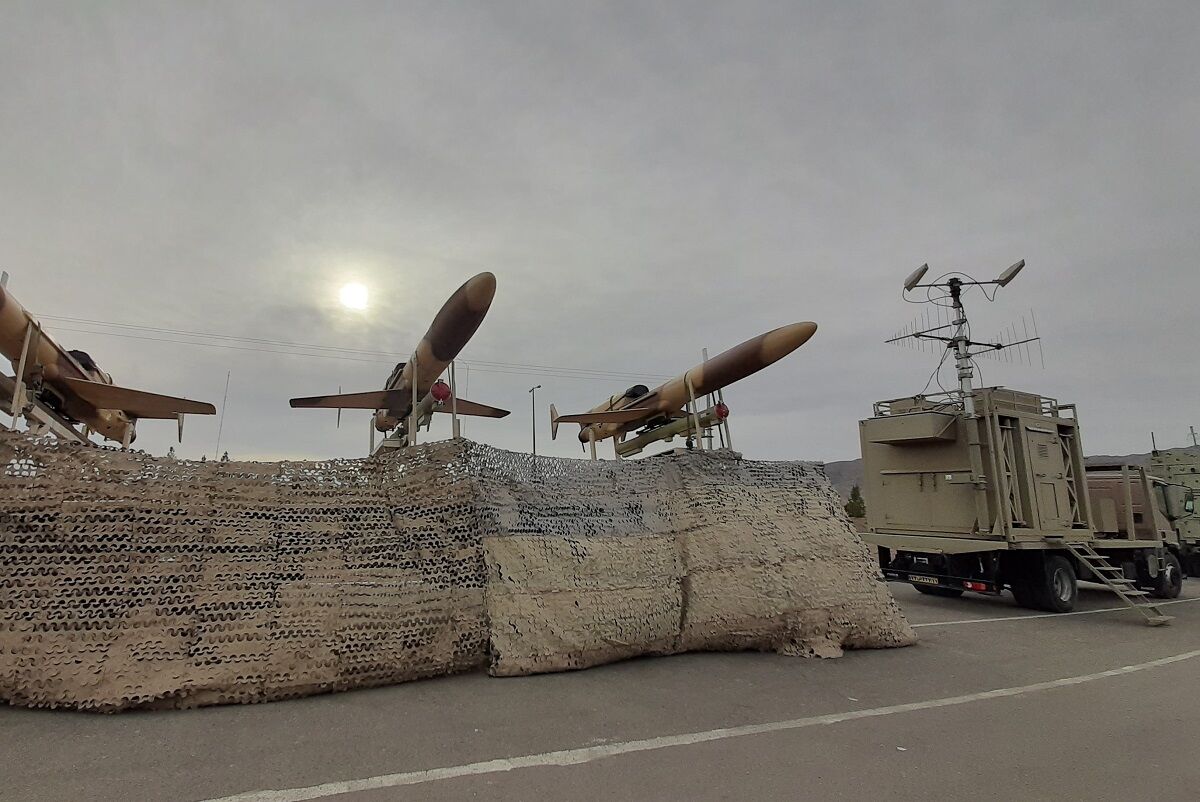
[[354, 296]]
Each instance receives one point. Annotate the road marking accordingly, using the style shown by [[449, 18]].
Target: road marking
[[574, 757], [1041, 615]]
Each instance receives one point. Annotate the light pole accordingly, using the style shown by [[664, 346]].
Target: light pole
[[533, 415]]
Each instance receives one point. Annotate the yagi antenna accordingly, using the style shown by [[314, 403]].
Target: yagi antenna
[[1020, 336]]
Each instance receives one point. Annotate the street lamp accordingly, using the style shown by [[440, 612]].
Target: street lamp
[[533, 415]]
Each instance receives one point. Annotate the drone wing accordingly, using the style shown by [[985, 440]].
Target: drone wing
[[376, 399], [465, 407], [137, 403], [627, 415]]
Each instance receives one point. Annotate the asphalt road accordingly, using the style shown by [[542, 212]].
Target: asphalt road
[[995, 702]]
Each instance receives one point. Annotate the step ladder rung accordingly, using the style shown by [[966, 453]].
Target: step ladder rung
[[1115, 579]]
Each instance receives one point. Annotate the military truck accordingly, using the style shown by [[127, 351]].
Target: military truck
[[1179, 469], [985, 490], [1126, 499]]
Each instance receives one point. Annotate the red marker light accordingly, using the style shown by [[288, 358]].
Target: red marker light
[[722, 411], [440, 391], [976, 586]]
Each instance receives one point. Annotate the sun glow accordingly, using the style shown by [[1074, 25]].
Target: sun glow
[[353, 296]]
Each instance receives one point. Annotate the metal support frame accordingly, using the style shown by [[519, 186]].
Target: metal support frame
[[1085, 498], [18, 396], [709, 402], [1148, 499], [726, 437], [1010, 486], [453, 404], [1128, 494], [1002, 519], [679, 426], [533, 417], [960, 342], [722, 424], [412, 413], [41, 419], [1066, 447], [693, 412]]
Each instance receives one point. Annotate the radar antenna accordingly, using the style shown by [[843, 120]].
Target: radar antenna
[[956, 333]]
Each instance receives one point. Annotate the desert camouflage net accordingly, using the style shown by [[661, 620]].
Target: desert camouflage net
[[129, 581]]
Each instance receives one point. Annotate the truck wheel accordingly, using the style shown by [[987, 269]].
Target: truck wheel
[[1169, 582], [949, 593], [1056, 590]]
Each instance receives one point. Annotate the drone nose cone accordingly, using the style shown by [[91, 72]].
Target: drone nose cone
[[780, 342], [460, 316], [480, 290]]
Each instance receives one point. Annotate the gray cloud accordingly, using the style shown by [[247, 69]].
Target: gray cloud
[[644, 179]]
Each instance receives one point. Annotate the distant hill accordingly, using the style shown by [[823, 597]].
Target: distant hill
[[845, 475], [848, 473]]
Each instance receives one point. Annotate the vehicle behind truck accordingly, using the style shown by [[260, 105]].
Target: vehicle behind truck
[[1179, 469]]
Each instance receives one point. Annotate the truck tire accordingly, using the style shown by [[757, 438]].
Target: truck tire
[[1055, 588], [929, 590], [1169, 582]]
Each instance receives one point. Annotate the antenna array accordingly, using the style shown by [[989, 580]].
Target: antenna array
[[932, 332]]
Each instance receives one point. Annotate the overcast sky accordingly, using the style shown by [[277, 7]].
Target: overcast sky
[[644, 179]]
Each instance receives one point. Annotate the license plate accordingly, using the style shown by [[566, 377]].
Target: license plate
[[924, 580]]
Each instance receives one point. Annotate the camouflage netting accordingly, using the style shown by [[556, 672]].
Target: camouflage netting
[[129, 581]]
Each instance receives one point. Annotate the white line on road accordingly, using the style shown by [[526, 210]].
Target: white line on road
[[572, 757], [1041, 615]]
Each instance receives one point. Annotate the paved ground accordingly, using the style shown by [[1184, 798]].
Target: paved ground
[[994, 703]]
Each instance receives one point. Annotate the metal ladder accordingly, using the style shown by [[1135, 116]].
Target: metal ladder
[[1114, 578]]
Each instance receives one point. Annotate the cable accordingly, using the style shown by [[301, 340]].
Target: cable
[[336, 349], [936, 370], [525, 368], [511, 369]]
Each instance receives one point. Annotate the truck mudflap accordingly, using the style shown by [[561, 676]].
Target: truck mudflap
[[939, 581]]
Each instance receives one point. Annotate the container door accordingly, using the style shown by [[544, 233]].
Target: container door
[[1049, 477]]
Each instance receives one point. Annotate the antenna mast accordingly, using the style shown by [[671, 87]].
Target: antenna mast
[[960, 341], [962, 348]]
